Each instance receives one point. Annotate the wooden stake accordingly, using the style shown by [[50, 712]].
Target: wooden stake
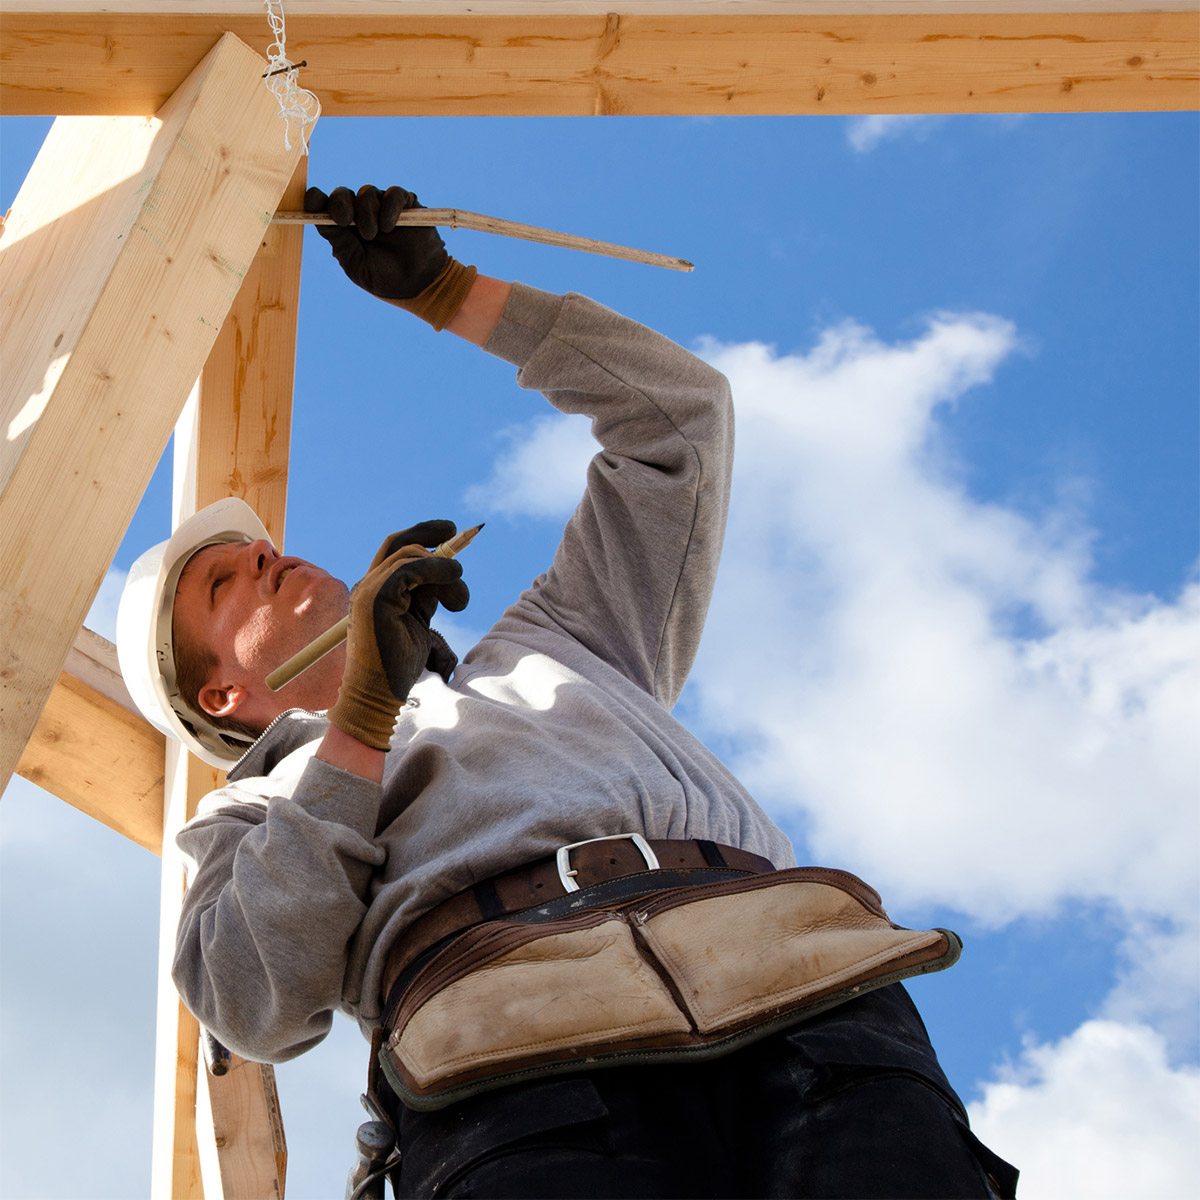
[[457, 218]]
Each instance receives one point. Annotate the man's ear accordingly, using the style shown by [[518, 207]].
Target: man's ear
[[221, 699]]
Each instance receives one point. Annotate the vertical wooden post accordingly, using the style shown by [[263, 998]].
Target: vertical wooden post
[[232, 439], [175, 1162], [175, 1167], [245, 416]]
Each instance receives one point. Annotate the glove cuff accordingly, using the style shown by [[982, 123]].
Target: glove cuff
[[442, 299], [363, 714]]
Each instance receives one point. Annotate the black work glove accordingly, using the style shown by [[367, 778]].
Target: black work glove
[[390, 643], [407, 265]]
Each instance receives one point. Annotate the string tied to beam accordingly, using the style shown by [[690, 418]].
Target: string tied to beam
[[298, 107]]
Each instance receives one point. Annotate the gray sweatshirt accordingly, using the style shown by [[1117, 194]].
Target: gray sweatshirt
[[556, 727]]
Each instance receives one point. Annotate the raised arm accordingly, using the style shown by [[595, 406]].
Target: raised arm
[[633, 575]]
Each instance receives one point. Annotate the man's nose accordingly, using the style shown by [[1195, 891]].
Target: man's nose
[[260, 555]]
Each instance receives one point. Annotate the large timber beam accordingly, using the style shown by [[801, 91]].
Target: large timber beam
[[686, 57], [245, 408], [125, 251], [93, 749]]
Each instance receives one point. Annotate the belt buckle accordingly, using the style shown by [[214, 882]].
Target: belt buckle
[[566, 872]]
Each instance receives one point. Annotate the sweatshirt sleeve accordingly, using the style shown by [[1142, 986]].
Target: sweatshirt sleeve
[[633, 575], [276, 891]]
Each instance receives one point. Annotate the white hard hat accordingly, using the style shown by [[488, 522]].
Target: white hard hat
[[145, 648]]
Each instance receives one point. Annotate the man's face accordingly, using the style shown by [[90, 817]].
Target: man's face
[[253, 610]]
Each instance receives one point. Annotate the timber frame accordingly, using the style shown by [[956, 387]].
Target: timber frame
[[68, 722], [665, 57]]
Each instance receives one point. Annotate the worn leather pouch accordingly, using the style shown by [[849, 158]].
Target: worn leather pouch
[[689, 972]]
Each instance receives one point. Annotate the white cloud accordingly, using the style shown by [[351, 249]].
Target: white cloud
[[459, 634], [1100, 1114], [958, 711], [541, 474], [1157, 979], [865, 133]]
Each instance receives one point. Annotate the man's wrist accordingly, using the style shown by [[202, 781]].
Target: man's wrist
[[340, 749], [481, 310]]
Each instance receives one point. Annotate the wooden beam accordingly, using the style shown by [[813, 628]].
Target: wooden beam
[[245, 415], [543, 8], [688, 58], [175, 1157], [94, 750], [91, 747], [249, 1149], [92, 659], [125, 250], [231, 439], [176, 1171]]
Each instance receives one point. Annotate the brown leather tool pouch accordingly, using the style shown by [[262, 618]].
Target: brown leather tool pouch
[[689, 972]]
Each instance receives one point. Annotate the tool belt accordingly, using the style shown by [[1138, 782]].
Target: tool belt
[[670, 951]]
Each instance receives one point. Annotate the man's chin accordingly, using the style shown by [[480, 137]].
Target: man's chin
[[320, 600]]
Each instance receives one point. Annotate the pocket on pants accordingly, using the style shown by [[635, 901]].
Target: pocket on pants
[[875, 1114], [877, 1034], [441, 1148]]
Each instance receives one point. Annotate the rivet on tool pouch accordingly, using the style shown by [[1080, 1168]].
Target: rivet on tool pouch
[[691, 972]]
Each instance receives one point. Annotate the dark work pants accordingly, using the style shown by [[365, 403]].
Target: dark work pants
[[851, 1103]]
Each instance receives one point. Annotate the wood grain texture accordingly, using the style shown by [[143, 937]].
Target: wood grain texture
[[251, 1151], [245, 413], [175, 1172], [231, 439], [460, 218], [97, 756], [93, 659], [126, 248], [458, 8], [178, 1176], [584, 63]]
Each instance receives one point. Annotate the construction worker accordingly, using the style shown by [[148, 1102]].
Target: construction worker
[[519, 873]]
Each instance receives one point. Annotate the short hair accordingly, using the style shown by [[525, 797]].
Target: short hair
[[194, 663]]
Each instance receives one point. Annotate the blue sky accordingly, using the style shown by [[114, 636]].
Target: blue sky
[[956, 643]]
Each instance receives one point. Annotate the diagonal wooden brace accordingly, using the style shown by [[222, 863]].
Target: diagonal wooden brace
[[125, 250]]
